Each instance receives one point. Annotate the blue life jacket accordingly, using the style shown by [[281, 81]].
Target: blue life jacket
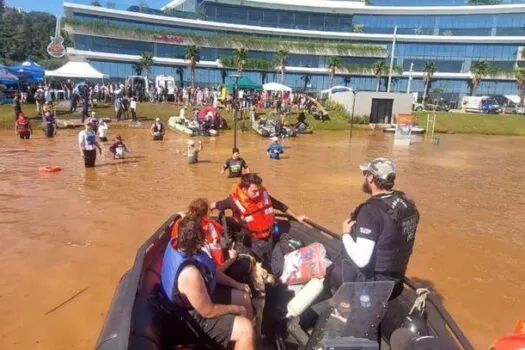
[[173, 263], [90, 138], [275, 150]]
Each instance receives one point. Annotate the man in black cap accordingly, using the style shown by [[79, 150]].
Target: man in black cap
[[379, 235]]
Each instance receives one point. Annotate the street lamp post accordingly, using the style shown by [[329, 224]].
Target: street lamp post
[[235, 106], [354, 91]]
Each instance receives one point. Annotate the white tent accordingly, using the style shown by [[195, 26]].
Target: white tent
[[276, 87], [76, 70]]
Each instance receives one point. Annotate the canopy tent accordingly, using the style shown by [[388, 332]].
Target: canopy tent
[[76, 70], [276, 87], [244, 83], [6, 77], [29, 68]]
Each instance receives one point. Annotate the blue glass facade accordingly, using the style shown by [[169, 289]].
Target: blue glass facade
[[432, 2], [449, 57], [475, 24]]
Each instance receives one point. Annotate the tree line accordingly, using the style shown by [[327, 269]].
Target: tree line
[[26, 35]]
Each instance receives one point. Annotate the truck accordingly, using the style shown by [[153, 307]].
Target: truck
[[165, 82]]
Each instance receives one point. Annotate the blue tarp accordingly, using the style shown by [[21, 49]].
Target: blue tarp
[[7, 77]]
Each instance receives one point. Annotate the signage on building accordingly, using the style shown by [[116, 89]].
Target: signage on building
[[173, 39], [56, 46]]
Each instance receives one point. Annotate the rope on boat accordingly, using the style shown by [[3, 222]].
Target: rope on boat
[[421, 300]]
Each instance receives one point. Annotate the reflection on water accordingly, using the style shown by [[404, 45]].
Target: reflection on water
[[62, 233]]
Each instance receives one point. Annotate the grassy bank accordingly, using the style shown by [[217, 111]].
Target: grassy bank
[[446, 122], [475, 123], [149, 111]]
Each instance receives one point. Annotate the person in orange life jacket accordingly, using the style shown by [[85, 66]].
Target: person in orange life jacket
[[199, 210], [379, 235], [189, 280], [23, 127], [253, 213]]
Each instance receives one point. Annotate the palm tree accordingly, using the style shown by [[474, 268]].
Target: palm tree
[[180, 72], [240, 56], [477, 71], [379, 69], [224, 74], [281, 57], [306, 78], [428, 73], [145, 63], [520, 80], [334, 62], [191, 54]]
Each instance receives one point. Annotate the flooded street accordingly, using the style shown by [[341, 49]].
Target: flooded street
[[76, 232]]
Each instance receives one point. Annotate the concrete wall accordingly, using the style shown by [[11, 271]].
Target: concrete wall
[[363, 103]]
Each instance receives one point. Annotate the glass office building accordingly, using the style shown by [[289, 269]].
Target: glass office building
[[453, 35]]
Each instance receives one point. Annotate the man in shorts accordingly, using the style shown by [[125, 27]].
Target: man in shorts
[[190, 280]]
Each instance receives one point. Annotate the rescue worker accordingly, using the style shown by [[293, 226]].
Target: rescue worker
[[190, 280], [158, 130], [235, 164], [23, 127], [379, 235], [88, 144], [253, 215], [275, 149]]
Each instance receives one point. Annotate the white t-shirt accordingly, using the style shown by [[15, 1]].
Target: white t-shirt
[[241, 94], [133, 105], [102, 130]]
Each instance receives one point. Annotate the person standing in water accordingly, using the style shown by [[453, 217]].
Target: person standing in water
[[193, 152], [275, 149], [235, 164], [23, 127], [103, 131], [88, 144]]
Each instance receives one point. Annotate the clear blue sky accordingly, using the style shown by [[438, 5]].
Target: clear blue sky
[[56, 8]]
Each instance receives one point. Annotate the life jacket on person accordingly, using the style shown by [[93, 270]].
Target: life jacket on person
[[158, 127], [23, 124], [392, 251], [258, 215], [212, 231], [173, 263]]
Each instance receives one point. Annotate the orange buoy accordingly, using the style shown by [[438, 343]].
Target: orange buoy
[[49, 169], [514, 341]]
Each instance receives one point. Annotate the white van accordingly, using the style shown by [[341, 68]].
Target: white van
[[166, 82], [480, 104], [136, 81]]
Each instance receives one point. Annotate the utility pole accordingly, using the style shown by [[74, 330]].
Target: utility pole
[[410, 77], [392, 54]]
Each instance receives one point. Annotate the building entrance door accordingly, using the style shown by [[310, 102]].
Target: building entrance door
[[381, 110]]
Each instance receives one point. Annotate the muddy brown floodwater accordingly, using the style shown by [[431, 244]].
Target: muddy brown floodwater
[[76, 232]]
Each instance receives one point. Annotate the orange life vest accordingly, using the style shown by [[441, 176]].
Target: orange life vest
[[212, 230], [258, 215]]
